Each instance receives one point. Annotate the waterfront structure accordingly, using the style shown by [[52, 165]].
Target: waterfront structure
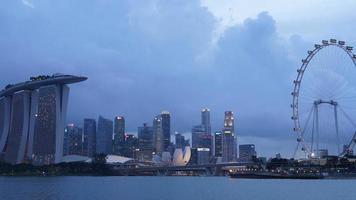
[[162, 132], [119, 134], [89, 137], [145, 143], [104, 140], [205, 120], [32, 117], [247, 152], [229, 145]]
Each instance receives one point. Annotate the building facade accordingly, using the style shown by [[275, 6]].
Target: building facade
[[229, 143], [145, 143], [104, 141], [119, 134], [89, 137], [247, 152], [32, 115]]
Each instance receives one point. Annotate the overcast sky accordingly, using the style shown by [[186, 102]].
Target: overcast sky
[[145, 56]]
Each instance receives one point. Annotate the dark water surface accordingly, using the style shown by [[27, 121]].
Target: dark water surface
[[172, 188]]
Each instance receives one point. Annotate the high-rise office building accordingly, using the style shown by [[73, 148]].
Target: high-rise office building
[[200, 138], [89, 137], [229, 144], [145, 142], [203, 156], [119, 134], [130, 147], [247, 152], [166, 129], [104, 141], [205, 120], [158, 135], [73, 140], [218, 144], [32, 116], [162, 132]]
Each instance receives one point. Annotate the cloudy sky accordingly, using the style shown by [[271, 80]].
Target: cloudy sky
[[142, 57]]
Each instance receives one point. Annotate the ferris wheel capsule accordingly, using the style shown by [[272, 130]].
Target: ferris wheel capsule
[[341, 43], [333, 41], [349, 48], [325, 42]]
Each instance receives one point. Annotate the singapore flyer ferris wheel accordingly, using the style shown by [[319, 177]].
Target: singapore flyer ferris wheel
[[324, 101]]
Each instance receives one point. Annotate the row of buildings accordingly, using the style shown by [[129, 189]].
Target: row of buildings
[[109, 137], [154, 141]]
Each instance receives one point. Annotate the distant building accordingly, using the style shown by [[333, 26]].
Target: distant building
[[145, 142], [162, 132], [89, 137], [323, 153], [73, 140], [203, 156], [229, 143], [247, 152], [104, 135], [166, 129], [218, 144], [119, 134], [347, 150], [200, 138], [205, 120], [181, 142], [194, 157], [130, 147]]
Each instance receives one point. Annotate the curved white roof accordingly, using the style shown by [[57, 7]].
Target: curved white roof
[[112, 159], [75, 158]]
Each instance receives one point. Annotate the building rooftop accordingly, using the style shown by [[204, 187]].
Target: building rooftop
[[39, 81]]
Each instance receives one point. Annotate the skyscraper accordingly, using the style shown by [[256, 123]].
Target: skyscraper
[[145, 142], [229, 144], [73, 140], [104, 141], [32, 116], [200, 138], [205, 120], [119, 134], [218, 144], [158, 135], [49, 124], [166, 129], [89, 137], [162, 132]]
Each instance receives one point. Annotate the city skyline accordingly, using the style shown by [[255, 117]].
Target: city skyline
[[141, 59]]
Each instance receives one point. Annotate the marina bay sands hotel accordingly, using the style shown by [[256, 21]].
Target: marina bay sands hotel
[[32, 119]]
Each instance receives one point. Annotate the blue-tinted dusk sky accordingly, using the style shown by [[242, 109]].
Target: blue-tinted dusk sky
[[145, 56]]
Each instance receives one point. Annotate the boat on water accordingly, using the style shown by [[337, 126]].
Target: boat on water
[[271, 175]]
